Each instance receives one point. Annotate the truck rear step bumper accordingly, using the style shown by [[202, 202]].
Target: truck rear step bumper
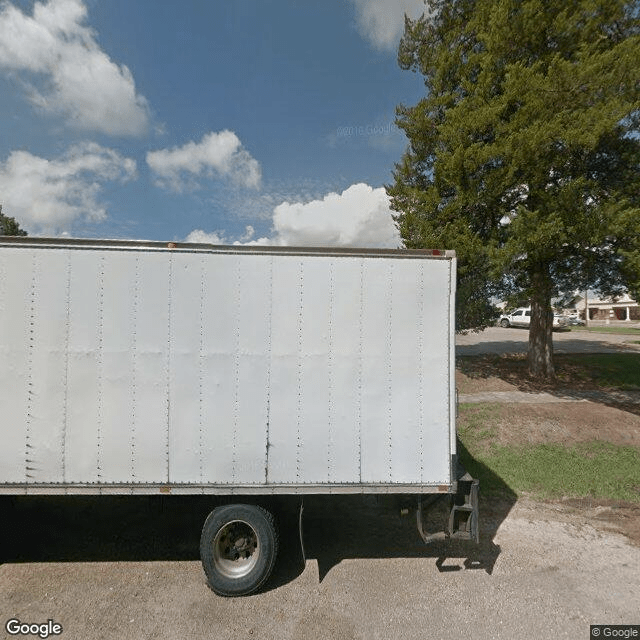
[[462, 521]]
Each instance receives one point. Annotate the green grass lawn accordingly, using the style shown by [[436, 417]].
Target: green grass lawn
[[598, 470], [631, 331]]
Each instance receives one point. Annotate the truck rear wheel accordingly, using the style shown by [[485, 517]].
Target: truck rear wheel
[[238, 548]]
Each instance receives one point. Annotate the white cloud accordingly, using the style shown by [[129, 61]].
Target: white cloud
[[197, 236], [81, 82], [360, 216], [381, 22], [219, 154], [47, 196]]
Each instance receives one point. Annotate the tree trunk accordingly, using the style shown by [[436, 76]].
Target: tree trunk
[[541, 364]]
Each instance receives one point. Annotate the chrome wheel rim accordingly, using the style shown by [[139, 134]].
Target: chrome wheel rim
[[235, 549]]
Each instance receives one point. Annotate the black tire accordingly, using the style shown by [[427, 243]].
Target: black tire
[[504, 323], [238, 548]]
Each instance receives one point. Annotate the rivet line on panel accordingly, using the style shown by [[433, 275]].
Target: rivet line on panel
[[100, 367], [168, 361], [330, 371], [420, 371], [269, 329], [134, 363], [300, 345], [65, 386], [29, 407], [201, 369], [390, 372], [447, 339], [236, 391], [360, 366]]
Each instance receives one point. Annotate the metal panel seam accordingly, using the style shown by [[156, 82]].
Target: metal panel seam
[[100, 367], [65, 410], [330, 370], [134, 364], [390, 371], [300, 346], [269, 348], [201, 362], [360, 366], [29, 405], [450, 364], [420, 371], [168, 364], [236, 372]]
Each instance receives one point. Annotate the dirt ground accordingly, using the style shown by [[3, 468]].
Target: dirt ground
[[508, 372], [605, 418], [562, 422]]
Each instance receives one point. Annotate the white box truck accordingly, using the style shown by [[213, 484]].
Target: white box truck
[[165, 368]]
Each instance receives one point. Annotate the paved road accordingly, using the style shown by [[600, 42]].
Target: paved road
[[499, 340]]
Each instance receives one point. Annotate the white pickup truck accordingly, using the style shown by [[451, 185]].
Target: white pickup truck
[[522, 318], [241, 373]]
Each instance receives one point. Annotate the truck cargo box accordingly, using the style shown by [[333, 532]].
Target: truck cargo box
[[151, 367]]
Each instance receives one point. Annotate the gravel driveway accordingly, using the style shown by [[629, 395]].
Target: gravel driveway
[[539, 572]]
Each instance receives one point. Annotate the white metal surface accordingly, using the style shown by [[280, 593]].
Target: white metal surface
[[131, 367]]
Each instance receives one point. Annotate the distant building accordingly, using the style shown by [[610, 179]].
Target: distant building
[[620, 308]]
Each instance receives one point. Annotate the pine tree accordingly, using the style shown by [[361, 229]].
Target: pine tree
[[524, 154]]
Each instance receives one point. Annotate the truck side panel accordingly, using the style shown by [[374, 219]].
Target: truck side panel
[[284, 403], [224, 369], [46, 355], [152, 383], [185, 391], [83, 424], [16, 281], [220, 339], [252, 369], [118, 434], [438, 399], [376, 381], [345, 371], [406, 392], [313, 382]]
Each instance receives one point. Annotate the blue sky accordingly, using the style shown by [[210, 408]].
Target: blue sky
[[238, 121]]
